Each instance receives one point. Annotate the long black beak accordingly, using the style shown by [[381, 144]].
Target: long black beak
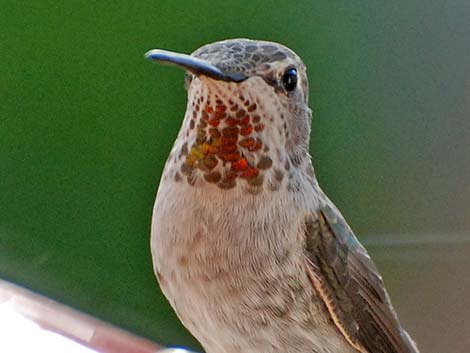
[[195, 65]]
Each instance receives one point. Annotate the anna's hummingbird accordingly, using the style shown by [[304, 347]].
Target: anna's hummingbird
[[251, 254]]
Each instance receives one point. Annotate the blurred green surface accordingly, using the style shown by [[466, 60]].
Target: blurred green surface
[[86, 125]]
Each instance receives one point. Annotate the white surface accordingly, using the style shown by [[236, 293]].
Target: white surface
[[20, 335]]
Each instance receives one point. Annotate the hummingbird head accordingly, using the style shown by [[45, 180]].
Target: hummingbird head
[[247, 119]]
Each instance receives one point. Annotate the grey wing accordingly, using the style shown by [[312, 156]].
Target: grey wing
[[350, 285]]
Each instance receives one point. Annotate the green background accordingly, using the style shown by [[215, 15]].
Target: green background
[[86, 125]]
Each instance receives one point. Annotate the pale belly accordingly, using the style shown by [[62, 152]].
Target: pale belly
[[235, 275]]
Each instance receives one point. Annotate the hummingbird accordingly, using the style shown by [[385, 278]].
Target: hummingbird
[[247, 248]]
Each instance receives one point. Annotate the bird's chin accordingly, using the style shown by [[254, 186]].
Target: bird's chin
[[229, 140]]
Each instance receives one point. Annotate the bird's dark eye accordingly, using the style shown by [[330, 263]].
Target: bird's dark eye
[[289, 80]]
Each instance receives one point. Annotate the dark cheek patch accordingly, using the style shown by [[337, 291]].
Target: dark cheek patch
[[224, 134]]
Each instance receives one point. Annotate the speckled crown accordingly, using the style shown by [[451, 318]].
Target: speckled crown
[[244, 56]]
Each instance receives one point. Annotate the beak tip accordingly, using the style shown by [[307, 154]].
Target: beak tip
[[151, 54]]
